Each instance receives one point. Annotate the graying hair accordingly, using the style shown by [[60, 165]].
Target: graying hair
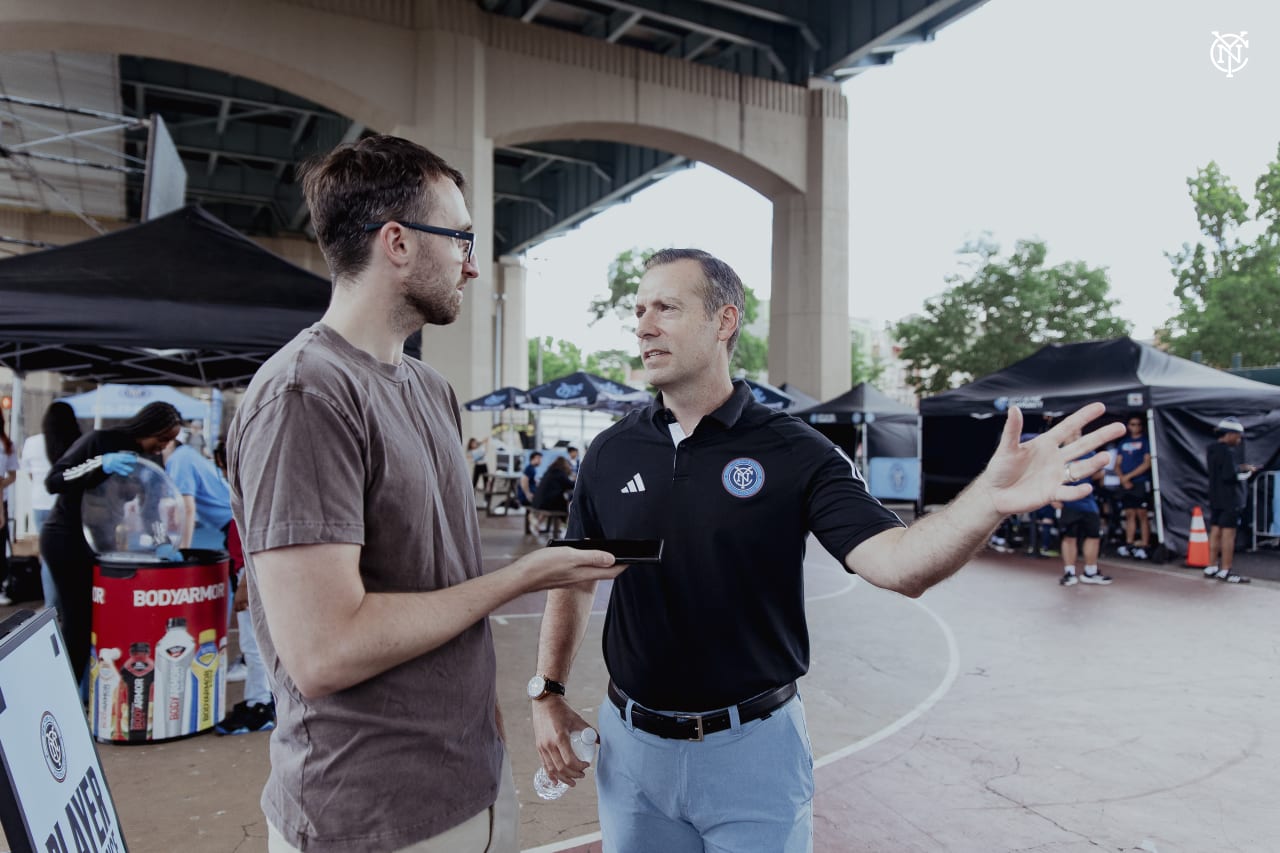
[[721, 285]]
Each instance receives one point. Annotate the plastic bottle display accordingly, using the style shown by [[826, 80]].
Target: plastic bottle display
[[105, 690], [584, 744], [137, 683], [174, 653], [201, 695]]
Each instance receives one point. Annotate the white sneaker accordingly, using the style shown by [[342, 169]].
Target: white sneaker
[[237, 671], [1123, 551], [5, 600], [1210, 571], [1140, 553]]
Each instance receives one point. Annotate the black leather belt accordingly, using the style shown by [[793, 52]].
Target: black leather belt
[[698, 726]]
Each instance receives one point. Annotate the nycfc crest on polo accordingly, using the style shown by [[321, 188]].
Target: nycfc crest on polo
[[743, 477]]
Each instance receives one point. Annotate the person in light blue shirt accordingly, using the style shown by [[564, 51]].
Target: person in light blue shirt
[[205, 494]]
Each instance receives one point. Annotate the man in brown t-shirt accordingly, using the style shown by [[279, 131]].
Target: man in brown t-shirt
[[351, 490]]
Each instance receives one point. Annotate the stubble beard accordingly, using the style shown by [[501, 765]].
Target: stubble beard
[[429, 300]]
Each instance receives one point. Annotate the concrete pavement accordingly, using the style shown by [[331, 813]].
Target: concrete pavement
[[998, 712]]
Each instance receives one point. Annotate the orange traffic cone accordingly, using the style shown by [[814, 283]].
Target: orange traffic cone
[[1198, 547]]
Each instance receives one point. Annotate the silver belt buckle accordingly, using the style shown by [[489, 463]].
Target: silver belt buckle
[[697, 722]]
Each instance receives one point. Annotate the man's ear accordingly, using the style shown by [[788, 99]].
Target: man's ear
[[729, 319], [392, 242]]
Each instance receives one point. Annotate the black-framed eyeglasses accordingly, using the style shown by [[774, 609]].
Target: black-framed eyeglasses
[[464, 240]]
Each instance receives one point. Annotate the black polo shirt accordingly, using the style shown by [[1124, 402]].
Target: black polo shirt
[[722, 617]]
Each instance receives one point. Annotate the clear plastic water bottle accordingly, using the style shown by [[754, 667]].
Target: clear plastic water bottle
[[584, 745]]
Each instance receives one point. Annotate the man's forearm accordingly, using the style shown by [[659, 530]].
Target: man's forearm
[[385, 630], [564, 624], [910, 561]]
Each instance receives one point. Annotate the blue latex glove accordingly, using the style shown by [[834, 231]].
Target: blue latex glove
[[121, 462], [168, 552]]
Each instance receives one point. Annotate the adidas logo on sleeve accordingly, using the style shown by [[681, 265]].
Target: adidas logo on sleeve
[[635, 484]]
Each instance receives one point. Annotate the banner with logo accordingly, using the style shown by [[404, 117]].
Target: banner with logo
[[53, 795]]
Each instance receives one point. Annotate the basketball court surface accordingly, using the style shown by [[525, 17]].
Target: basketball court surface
[[999, 712]]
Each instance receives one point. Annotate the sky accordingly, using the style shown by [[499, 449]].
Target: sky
[[1076, 122]]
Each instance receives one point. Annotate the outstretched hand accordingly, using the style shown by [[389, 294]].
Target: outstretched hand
[[1023, 476]]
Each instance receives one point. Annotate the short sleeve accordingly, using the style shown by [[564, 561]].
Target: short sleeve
[[299, 469], [182, 473], [842, 513]]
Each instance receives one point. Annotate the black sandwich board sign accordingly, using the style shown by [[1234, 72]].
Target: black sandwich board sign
[[53, 794]]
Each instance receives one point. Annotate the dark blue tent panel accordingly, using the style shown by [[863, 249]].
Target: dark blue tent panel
[[1181, 399], [183, 300]]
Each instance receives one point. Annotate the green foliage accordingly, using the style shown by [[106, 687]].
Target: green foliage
[[558, 359], [1003, 311], [612, 364], [1228, 284], [863, 367], [750, 356]]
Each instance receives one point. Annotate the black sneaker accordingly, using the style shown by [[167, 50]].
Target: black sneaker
[[245, 718], [1233, 578], [1068, 579]]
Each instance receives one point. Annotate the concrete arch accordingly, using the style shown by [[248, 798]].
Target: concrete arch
[[361, 69], [458, 80], [756, 175]]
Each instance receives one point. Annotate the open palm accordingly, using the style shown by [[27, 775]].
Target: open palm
[[1023, 476]]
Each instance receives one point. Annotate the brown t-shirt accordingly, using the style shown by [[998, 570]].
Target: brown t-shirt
[[332, 446]]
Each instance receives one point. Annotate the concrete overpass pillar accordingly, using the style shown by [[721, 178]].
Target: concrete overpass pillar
[[449, 119], [809, 302], [511, 300]]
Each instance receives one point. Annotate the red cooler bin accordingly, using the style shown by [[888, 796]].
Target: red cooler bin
[[159, 653]]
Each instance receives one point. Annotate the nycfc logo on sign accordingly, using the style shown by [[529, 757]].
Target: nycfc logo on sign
[[51, 744], [566, 391], [743, 478], [1227, 52]]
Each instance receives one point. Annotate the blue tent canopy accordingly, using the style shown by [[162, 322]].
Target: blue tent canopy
[[587, 391], [124, 401], [508, 397], [770, 397]]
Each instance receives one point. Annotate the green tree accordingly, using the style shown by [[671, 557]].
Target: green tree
[[558, 359], [612, 364], [750, 356], [863, 366], [1228, 284], [1003, 311]]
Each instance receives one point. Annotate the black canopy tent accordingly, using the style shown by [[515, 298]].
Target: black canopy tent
[[181, 300], [1182, 402], [871, 425]]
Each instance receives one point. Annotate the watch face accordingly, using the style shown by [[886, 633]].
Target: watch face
[[537, 686]]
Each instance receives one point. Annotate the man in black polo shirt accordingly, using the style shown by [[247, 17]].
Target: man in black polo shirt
[[703, 738]]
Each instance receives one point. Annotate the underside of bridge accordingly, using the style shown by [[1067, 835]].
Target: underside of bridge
[[73, 132]]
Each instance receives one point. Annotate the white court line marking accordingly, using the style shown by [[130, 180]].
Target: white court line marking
[[953, 671]]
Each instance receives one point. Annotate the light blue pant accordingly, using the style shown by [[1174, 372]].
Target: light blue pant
[[256, 689], [745, 790], [52, 601]]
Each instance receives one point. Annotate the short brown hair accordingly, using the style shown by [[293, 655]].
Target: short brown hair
[[378, 179]]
